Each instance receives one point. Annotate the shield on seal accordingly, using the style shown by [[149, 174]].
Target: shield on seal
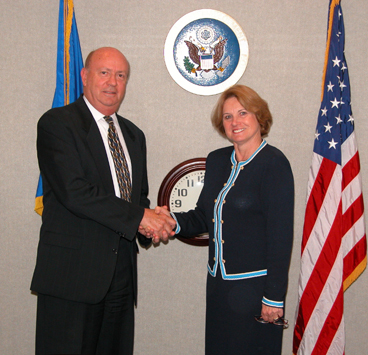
[[206, 61]]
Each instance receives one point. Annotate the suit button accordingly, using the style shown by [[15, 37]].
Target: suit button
[[115, 251]]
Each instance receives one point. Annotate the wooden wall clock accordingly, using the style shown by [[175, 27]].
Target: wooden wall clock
[[180, 190]]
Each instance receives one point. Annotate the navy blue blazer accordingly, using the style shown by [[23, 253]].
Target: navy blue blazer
[[247, 208]]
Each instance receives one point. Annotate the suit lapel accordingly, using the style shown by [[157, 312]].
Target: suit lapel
[[95, 144]]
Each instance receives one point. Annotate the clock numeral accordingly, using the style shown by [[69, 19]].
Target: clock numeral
[[177, 203], [190, 182], [182, 192]]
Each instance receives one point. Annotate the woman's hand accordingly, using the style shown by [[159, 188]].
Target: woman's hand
[[269, 314]]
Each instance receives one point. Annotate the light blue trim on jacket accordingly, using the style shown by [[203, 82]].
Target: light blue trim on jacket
[[219, 252], [177, 230], [267, 302]]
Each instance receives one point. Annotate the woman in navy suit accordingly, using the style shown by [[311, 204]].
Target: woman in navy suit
[[246, 206]]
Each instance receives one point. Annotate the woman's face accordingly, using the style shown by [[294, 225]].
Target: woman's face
[[241, 127]]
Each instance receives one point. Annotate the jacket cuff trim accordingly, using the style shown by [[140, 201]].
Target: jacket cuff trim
[[267, 302]]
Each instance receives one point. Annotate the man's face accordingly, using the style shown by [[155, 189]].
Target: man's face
[[105, 80]]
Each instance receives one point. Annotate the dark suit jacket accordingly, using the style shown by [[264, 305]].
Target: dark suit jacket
[[83, 221]]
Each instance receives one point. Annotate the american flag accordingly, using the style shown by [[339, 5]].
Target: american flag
[[334, 249]]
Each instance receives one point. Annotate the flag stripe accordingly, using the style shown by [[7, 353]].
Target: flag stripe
[[335, 347], [320, 273], [351, 170], [317, 196], [355, 262], [328, 211], [330, 327], [352, 214], [317, 303]]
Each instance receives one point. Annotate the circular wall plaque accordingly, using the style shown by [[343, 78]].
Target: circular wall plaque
[[206, 52]]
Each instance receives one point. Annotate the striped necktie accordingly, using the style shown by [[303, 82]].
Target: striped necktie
[[118, 156]]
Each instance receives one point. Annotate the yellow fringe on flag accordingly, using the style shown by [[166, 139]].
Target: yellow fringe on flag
[[39, 205], [68, 20], [330, 23], [355, 274]]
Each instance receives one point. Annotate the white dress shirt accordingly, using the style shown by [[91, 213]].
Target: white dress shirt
[[103, 126]]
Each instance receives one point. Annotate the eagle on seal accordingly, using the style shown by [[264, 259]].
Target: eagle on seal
[[218, 51]]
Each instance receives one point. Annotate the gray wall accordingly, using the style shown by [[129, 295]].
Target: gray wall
[[287, 45]]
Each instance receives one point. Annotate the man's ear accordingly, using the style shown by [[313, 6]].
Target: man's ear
[[83, 74]]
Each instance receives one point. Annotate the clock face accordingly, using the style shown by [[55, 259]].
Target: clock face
[[185, 192], [180, 189]]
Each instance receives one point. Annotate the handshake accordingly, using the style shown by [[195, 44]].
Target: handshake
[[157, 224]]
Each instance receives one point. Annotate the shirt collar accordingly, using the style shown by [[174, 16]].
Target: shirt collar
[[97, 115]]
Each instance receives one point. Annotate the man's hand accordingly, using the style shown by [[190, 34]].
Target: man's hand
[[157, 225], [162, 209]]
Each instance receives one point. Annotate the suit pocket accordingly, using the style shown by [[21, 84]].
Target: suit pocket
[[62, 240]]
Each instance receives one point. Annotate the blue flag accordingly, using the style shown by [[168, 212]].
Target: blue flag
[[68, 67]]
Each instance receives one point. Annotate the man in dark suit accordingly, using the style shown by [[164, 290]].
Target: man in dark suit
[[86, 273]]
